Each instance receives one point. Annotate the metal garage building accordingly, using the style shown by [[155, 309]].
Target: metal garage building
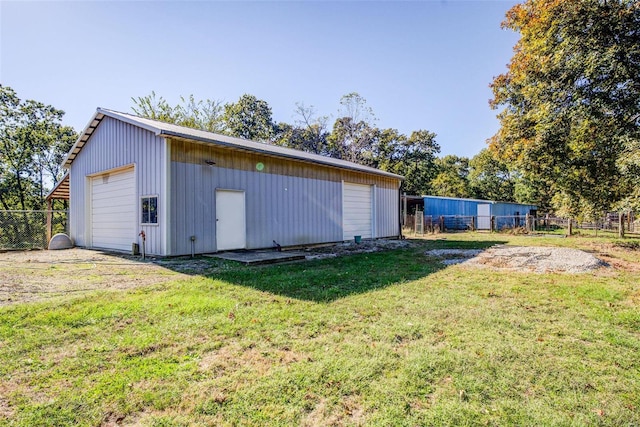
[[458, 211], [189, 189]]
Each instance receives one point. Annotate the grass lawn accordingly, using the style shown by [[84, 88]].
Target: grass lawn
[[391, 338]]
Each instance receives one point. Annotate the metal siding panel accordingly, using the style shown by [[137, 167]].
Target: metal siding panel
[[436, 207], [194, 193], [290, 210], [180, 215], [115, 144], [444, 206], [387, 212], [508, 209]]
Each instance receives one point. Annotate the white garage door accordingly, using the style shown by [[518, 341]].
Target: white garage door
[[113, 210], [356, 211]]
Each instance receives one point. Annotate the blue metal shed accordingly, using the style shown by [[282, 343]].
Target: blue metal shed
[[457, 212]]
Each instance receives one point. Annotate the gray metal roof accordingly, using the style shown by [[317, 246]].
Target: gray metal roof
[[463, 199], [168, 130]]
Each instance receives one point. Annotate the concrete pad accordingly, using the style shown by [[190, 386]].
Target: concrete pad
[[259, 257]]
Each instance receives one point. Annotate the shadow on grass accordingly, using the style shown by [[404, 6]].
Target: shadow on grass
[[334, 278]]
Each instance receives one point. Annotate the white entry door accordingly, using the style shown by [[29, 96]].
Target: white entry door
[[484, 217], [231, 229]]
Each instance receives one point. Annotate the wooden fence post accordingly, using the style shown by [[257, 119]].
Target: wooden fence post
[[570, 226], [473, 223], [441, 224], [493, 223], [621, 225], [404, 202], [49, 221]]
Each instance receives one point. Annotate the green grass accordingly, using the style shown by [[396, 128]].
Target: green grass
[[373, 339]]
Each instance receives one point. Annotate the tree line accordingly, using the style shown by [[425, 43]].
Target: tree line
[[568, 105], [352, 135], [33, 143]]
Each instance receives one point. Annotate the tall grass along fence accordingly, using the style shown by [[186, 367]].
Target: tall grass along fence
[[31, 229], [610, 224]]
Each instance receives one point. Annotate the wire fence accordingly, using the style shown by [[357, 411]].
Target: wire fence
[[419, 223], [610, 225], [31, 229]]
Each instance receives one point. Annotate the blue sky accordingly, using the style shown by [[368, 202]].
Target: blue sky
[[419, 65]]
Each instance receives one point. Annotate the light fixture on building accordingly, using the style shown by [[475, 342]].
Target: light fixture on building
[[210, 162]]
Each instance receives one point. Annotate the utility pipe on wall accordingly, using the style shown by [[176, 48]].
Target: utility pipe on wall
[[144, 249]]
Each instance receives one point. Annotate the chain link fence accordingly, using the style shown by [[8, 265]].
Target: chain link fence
[[31, 229]]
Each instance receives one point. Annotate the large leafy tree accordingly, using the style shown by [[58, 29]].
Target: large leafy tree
[[452, 179], [570, 102], [354, 134], [414, 158], [249, 118], [490, 178], [308, 132], [33, 142]]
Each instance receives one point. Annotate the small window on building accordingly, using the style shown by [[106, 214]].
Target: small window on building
[[150, 210]]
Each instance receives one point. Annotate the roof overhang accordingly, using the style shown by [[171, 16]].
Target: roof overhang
[[61, 190], [83, 138]]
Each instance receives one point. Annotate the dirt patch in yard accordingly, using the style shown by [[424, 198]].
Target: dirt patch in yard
[[27, 276], [39, 275], [520, 258], [349, 248]]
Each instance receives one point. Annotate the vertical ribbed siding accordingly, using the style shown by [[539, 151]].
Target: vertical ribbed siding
[[387, 212], [508, 209], [116, 144], [434, 206], [289, 210]]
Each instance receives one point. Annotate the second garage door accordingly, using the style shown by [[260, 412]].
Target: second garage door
[[357, 211], [113, 210]]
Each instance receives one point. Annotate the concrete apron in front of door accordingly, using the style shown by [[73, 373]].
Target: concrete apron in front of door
[[258, 257]]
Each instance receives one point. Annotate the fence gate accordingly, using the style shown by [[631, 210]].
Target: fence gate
[[419, 222]]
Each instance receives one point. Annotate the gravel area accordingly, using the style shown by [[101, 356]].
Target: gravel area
[[453, 256], [519, 258]]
